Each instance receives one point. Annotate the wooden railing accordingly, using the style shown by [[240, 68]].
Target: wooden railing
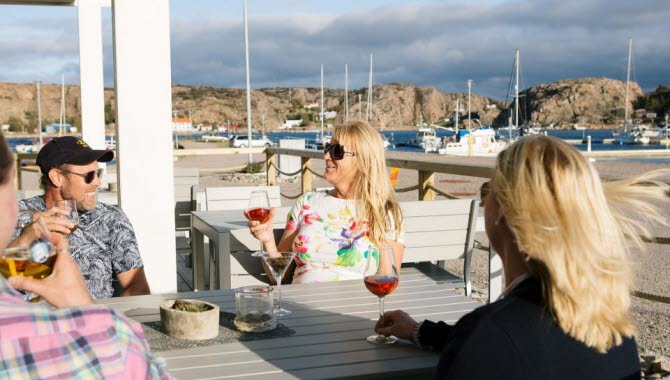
[[426, 170], [18, 157]]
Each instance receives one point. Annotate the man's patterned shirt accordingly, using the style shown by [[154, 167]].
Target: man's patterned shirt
[[103, 246]]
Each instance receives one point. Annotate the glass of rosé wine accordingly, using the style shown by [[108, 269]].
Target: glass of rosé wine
[[258, 210], [381, 279]]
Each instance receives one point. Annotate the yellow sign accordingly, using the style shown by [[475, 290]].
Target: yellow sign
[[394, 176]]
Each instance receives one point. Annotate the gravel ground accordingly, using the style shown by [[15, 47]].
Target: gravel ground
[[652, 266]]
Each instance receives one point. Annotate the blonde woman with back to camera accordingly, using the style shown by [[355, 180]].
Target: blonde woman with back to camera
[[564, 239], [332, 232]]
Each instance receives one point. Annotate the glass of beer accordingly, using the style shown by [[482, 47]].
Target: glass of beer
[[35, 259], [70, 208]]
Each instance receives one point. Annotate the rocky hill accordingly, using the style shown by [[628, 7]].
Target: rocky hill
[[395, 105], [585, 101]]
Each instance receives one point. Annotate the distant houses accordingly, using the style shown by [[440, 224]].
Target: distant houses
[[182, 124], [309, 106], [329, 115], [57, 127], [288, 124]]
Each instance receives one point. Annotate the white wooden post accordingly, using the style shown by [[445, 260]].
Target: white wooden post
[[143, 118], [91, 73]]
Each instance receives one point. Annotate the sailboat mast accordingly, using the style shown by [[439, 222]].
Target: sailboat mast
[[368, 113], [469, 92], [630, 55], [321, 116], [346, 93], [246, 59], [457, 108], [39, 114], [360, 106], [62, 104], [516, 89]]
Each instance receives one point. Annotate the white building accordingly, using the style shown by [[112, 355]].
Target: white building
[[329, 115], [181, 124], [311, 105], [288, 124]]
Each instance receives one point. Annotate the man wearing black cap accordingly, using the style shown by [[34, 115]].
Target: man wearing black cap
[[104, 244]]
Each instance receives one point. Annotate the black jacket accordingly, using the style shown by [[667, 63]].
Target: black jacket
[[515, 338]]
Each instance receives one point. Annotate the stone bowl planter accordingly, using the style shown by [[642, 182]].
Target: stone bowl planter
[[191, 325]]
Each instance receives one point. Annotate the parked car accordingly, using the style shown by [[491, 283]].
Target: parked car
[[257, 141]]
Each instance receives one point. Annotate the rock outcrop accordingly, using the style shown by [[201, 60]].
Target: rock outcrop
[[394, 105], [585, 101]]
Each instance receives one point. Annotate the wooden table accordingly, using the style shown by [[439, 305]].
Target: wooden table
[[331, 322]]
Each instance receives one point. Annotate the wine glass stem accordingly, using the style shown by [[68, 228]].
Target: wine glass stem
[[381, 307], [279, 292], [381, 310]]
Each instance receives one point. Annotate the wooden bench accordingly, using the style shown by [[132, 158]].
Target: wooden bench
[[435, 231], [184, 180], [230, 198]]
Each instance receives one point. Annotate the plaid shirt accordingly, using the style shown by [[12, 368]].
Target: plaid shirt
[[90, 342]]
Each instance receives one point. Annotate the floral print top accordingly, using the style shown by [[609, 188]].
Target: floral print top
[[330, 245]]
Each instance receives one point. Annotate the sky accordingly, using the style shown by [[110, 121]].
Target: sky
[[426, 43]]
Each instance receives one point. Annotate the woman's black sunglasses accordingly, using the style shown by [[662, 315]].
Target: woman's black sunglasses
[[88, 177], [337, 151]]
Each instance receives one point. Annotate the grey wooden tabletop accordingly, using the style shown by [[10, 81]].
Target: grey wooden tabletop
[[330, 320]]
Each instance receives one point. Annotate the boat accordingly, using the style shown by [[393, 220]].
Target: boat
[[479, 141], [630, 133], [663, 136], [514, 131], [426, 139], [27, 148], [39, 143], [475, 142], [385, 141]]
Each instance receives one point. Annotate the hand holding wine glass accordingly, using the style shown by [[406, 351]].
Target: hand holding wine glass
[[68, 210], [381, 279], [259, 213]]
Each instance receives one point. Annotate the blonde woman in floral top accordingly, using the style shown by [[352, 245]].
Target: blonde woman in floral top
[[333, 232]]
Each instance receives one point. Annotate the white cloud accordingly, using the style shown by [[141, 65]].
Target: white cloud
[[425, 43]]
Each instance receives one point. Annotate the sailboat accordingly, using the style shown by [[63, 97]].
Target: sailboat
[[630, 133], [368, 111], [34, 148], [513, 130], [426, 138], [322, 138], [473, 141]]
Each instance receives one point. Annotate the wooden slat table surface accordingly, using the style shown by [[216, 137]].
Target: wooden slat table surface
[[331, 322]]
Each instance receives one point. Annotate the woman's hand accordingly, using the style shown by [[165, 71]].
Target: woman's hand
[[263, 232], [65, 287], [396, 323]]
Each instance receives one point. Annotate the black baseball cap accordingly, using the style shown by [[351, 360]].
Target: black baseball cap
[[69, 150]]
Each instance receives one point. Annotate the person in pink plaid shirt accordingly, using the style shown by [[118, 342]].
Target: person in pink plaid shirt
[[78, 339]]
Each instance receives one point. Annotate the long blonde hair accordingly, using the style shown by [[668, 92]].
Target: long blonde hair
[[373, 193], [575, 233]]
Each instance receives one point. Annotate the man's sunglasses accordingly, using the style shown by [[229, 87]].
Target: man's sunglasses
[[88, 177], [337, 151]]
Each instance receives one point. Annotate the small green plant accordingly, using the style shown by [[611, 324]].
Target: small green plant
[[253, 168], [192, 307]]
